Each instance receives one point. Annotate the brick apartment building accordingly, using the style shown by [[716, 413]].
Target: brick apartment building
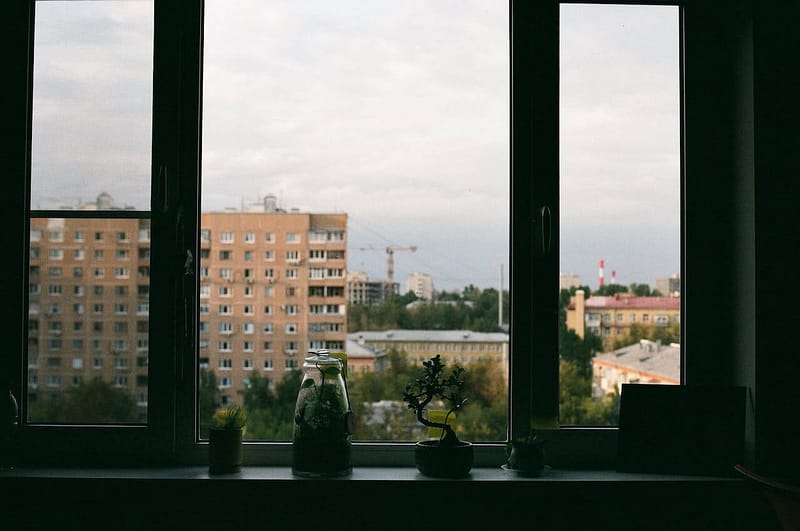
[[88, 304], [272, 286]]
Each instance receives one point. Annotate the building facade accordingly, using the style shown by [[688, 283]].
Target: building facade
[[362, 290], [88, 304], [454, 346], [670, 287], [647, 362], [421, 284], [610, 318], [272, 287]]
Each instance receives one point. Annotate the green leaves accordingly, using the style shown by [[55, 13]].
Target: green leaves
[[331, 371]]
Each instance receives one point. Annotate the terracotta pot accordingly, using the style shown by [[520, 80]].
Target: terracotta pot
[[443, 461], [224, 451]]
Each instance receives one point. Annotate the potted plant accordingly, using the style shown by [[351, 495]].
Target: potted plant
[[526, 456], [225, 440], [447, 456], [323, 419]]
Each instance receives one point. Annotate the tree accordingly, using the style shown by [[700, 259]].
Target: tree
[[91, 402], [641, 290], [270, 412], [611, 290], [208, 400]]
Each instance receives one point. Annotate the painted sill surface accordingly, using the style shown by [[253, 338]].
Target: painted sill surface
[[377, 474]]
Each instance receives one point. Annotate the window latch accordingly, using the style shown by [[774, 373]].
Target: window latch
[[547, 229], [163, 180], [188, 265]]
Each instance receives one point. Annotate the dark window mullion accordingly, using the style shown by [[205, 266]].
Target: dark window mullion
[[534, 169]]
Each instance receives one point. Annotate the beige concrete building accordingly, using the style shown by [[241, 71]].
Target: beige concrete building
[[645, 362], [454, 346], [272, 286], [611, 317], [88, 304], [362, 290], [421, 284]]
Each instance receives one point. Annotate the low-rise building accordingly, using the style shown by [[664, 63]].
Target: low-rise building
[[647, 362], [611, 317], [364, 358], [454, 346]]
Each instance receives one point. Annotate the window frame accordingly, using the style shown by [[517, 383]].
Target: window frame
[[175, 211]]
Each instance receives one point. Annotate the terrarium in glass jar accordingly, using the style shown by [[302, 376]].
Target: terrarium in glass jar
[[323, 419]]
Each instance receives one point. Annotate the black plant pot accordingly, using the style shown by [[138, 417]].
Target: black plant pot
[[224, 451], [443, 461], [527, 458]]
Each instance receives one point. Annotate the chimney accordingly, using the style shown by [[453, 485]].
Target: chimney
[[600, 273], [580, 313]]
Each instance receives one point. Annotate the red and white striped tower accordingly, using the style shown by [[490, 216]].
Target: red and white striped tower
[[601, 282], [613, 277]]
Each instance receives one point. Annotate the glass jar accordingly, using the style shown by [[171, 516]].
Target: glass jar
[[322, 419]]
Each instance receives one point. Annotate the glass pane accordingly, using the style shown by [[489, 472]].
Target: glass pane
[[356, 198], [88, 293], [92, 102], [89, 276], [620, 205]]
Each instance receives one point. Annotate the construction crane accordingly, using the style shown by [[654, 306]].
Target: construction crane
[[390, 249]]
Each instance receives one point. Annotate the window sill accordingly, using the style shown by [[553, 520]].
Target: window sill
[[360, 474], [187, 497]]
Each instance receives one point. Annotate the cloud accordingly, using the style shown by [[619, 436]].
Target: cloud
[[396, 113]]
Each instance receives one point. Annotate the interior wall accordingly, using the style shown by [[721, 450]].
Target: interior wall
[[777, 189]]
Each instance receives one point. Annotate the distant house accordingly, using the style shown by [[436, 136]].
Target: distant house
[[454, 346], [643, 362], [611, 317], [364, 358]]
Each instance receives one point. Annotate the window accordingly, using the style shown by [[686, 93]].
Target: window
[[162, 288]]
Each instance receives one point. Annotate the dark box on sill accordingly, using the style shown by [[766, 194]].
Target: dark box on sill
[[673, 429]]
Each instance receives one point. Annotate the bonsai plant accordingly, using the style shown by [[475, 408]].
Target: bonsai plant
[[446, 457], [526, 456], [225, 440]]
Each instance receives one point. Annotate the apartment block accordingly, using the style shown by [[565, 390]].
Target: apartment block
[[421, 284], [362, 290], [272, 286], [88, 304]]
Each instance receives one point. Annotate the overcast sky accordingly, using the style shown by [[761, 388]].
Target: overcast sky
[[396, 113]]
